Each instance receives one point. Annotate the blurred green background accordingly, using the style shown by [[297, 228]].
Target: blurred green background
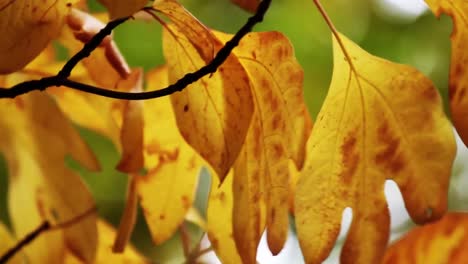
[[419, 40]]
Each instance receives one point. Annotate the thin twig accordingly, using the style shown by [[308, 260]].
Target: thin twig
[[61, 79], [45, 226], [23, 242]]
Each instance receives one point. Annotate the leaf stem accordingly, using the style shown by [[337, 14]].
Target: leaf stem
[[335, 33], [61, 79]]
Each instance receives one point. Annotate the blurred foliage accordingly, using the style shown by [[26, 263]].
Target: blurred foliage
[[422, 43]]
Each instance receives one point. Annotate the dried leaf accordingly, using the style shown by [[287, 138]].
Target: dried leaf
[[123, 8], [39, 185], [444, 241], [458, 86], [214, 113], [168, 190], [27, 27], [370, 129]]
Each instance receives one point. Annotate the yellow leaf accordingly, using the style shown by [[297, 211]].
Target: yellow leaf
[[219, 220], [278, 132], [213, 114], [104, 253], [39, 184], [249, 5], [7, 243], [167, 191], [444, 241], [458, 86], [380, 120], [26, 28], [123, 8], [248, 212]]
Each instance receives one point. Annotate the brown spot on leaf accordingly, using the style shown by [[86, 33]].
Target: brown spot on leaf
[[186, 108], [278, 150], [214, 241], [389, 157], [350, 157], [19, 103], [222, 196], [276, 121], [185, 202], [272, 215], [162, 217]]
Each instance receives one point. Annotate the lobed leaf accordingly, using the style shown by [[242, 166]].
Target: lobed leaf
[[444, 241], [380, 120], [458, 83]]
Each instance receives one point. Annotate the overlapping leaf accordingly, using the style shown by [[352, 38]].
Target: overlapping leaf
[[214, 113], [168, 189], [278, 132], [444, 241], [458, 86], [39, 184], [380, 121], [27, 27]]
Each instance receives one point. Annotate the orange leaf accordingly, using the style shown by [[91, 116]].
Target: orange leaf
[[39, 184], [214, 113], [458, 87], [168, 189], [278, 132], [370, 129], [444, 241], [27, 28]]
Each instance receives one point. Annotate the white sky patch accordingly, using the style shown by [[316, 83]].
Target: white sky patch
[[406, 10]]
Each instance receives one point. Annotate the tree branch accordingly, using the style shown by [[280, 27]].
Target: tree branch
[[61, 79], [45, 226]]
